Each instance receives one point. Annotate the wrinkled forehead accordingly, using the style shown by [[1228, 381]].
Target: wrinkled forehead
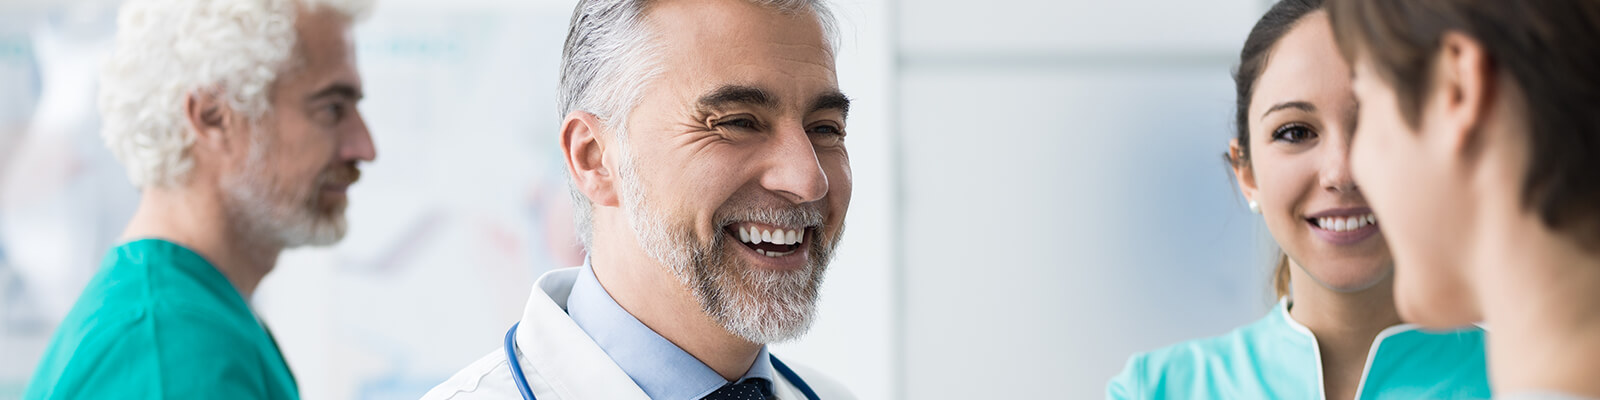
[[705, 44]]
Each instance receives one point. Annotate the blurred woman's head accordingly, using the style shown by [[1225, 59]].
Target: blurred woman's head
[[1471, 111], [1295, 114]]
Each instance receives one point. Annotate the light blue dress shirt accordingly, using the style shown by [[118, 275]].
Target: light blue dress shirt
[[659, 367]]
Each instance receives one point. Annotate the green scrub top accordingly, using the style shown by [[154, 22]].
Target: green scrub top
[[1278, 358], [159, 322]]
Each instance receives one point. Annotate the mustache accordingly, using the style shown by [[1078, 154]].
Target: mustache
[[808, 215], [343, 175]]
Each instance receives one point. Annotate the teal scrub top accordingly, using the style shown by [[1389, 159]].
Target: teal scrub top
[[159, 322], [1277, 358]]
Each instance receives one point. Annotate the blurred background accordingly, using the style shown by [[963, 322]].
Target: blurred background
[[1039, 193]]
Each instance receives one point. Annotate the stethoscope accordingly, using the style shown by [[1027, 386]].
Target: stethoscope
[[527, 391]]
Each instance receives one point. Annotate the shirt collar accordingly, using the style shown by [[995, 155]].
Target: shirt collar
[[659, 367], [1285, 303]]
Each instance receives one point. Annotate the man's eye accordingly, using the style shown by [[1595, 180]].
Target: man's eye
[[741, 123], [827, 130], [333, 113], [1293, 133]]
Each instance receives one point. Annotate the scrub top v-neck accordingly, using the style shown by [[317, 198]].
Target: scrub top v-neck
[[160, 322]]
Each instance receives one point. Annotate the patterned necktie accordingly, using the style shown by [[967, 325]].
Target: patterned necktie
[[750, 389]]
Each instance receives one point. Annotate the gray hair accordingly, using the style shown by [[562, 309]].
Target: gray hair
[[609, 53]]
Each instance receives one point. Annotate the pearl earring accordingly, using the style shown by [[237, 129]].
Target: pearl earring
[[1255, 207]]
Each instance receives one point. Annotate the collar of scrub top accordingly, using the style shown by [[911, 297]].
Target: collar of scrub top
[[660, 368], [1282, 310], [1285, 303]]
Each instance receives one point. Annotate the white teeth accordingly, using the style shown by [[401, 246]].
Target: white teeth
[[1344, 224], [774, 254], [753, 235]]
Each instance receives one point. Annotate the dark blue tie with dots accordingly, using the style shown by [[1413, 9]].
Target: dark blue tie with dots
[[749, 389]]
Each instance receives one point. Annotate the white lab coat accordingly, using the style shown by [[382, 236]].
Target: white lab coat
[[560, 361]]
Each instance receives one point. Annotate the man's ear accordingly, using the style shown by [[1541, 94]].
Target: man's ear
[[210, 120], [1241, 170], [586, 159], [1463, 91]]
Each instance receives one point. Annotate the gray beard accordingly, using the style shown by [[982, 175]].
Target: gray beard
[[758, 305]]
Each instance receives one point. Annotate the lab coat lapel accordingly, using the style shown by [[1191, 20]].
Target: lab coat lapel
[[785, 390], [557, 356]]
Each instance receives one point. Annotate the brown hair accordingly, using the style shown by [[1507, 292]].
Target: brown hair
[[1280, 276], [1282, 17], [1550, 48]]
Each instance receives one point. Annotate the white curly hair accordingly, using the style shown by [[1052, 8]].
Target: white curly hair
[[167, 49]]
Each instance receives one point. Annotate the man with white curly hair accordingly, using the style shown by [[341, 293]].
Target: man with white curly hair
[[237, 119], [705, 145]]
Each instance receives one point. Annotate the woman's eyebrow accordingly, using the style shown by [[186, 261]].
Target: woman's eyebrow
[[1296, 104]]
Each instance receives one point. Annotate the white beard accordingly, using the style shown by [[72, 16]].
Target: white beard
[[261, 209]]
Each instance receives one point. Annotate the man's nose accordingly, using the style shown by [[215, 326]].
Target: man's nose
[[792, 168], [357, 142]]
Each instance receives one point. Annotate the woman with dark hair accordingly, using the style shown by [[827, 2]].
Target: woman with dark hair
[[1479, 143], [1335, 334]]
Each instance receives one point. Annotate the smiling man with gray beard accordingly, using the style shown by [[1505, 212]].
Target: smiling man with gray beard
[[705, 142]]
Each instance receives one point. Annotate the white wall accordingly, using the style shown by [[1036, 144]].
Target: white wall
[[1064, 201]]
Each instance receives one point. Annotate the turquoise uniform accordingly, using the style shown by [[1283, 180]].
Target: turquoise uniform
[[1277, 358], [159, 322]]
